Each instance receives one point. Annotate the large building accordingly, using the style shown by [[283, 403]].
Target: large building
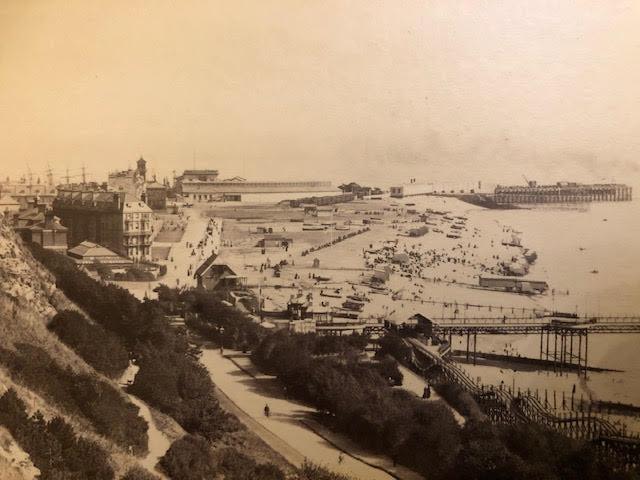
[[204, 186], [108, 218], [562, 192]]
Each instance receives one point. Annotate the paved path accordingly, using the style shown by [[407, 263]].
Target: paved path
[[180, 259], [296, 435]]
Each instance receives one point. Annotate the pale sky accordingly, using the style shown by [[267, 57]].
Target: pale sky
[[376, 91]]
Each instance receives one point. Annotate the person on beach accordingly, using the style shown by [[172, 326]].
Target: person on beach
[[340, 458], [267, 411]]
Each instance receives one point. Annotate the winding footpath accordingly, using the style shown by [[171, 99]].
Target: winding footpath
[[158, 443]]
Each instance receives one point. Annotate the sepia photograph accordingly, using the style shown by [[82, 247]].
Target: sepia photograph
[[319, 240]]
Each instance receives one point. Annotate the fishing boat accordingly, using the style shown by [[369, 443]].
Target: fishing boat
[[452, 235]]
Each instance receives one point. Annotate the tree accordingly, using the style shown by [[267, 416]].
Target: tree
[[189, 458]]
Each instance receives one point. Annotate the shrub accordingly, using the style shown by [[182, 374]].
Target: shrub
[[104, 271], [167, 367], [138, 473], [461, 400], [53, 446], [189, 458], [238, 466], [111, 414], [360, 402], [100, 348]]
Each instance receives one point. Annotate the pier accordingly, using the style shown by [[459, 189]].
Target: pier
[[507, 405], [564, 342], [562, 192]]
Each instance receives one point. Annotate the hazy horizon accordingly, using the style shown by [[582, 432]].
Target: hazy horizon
[[374, 91]]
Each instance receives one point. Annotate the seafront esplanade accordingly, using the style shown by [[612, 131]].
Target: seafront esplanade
[[563, 192]]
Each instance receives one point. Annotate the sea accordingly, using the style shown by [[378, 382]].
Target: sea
[[589, 254]]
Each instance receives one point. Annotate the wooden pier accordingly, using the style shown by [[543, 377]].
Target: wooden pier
[[562, 192], [506, 405], [564, 342]]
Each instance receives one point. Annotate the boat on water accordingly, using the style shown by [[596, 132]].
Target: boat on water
[[437, 230], [456, 227], [594, 271], [452, 235], [342, 227]]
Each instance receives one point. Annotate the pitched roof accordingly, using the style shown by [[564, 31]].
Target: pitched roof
[[49, 223], [90, 249], [205, 265], [155, 185]]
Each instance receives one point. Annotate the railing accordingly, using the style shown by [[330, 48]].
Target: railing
[[505, 406]]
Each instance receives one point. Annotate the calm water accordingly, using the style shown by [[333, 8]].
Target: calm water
[[571, 243]]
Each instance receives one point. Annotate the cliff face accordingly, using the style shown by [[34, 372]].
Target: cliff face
[[22, 280], [28, 301]]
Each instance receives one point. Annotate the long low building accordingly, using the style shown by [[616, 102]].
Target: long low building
[[513, 284], [204, 186]]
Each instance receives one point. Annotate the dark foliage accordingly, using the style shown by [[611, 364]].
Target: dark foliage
[[182, 388], [392, 344], [360, 403], [237, 466], [170, 378], [310, 471], [105, 407], [189, 458], [138, 473], [461, 400], [99, 347], [53, 446], [135, 274], [214, 320]]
